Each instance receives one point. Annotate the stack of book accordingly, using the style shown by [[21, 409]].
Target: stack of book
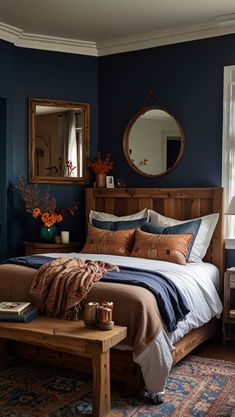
[[17, 311]]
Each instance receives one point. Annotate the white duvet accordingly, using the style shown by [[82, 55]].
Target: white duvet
[[198, 282]]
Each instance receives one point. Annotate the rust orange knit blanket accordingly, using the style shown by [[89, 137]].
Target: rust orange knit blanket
[[62, 285]]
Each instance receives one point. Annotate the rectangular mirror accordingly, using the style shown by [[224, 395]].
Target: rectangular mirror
[[58, 141]]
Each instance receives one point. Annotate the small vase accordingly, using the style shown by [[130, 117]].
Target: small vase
[[100, 180], [47, 234]]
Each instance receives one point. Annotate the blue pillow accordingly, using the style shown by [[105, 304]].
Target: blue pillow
[[119, 225], [178, 229], [153, 228], [102, 224]]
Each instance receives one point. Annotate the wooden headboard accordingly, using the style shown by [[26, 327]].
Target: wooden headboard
[[178, 203]]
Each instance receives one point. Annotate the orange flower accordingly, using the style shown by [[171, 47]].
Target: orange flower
[[49, 219], [59, 218], [45, 217], [52, 218], [36, 212]]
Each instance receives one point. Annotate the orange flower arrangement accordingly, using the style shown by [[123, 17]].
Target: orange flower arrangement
[[48, 218], [42, 207], [102, 166]]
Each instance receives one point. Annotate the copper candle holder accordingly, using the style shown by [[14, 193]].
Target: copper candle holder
[[104, 316], [108, 304], [90, 314]]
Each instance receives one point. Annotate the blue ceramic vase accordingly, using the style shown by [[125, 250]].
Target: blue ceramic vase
[[47, 234]]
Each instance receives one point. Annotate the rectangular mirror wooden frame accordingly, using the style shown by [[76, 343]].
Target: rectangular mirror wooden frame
[[52, 171]]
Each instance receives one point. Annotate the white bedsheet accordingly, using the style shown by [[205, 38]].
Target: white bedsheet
[[198, 282]]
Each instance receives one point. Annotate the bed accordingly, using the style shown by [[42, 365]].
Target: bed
[[180, 204]]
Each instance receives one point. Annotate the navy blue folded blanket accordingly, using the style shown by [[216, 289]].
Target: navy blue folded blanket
[[171, 302], [32, 261]]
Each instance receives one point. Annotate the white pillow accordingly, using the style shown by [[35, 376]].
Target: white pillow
[[99, 215], [203, 237]]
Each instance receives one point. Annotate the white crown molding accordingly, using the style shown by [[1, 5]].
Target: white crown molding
[[52, 43], [220, 26], [9, 33], [49, 43], [166, 37], [226, 20]]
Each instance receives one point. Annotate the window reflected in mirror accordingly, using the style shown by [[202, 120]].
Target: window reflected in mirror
[[153, 141], [58, 141]]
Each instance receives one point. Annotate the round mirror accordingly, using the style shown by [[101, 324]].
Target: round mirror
[[153, 141]]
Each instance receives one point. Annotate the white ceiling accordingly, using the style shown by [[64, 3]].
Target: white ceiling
[[101, 27]]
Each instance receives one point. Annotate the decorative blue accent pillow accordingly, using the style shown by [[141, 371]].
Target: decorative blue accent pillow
[[178, 229], [119, 225]]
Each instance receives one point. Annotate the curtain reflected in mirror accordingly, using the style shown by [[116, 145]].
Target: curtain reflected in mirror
[[58, 141], [153, 141]]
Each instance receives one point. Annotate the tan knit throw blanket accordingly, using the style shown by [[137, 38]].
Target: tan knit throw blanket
[[62, 285]]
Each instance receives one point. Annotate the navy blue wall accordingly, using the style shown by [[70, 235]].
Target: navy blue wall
[[28, 73], [3, 193], [188, 79], [7, 88]]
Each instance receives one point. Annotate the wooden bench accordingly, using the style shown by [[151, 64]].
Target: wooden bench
[[72, 337]]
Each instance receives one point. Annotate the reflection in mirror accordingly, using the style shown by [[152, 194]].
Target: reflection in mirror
[[58, 141], [153, 141]]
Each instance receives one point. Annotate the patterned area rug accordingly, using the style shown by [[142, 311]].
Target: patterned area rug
[[196, 387]]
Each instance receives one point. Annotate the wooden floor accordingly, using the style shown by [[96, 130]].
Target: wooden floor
[[214, 349]]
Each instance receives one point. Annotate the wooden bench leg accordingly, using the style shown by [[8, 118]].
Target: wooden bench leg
[[3, 352], [101, 385]]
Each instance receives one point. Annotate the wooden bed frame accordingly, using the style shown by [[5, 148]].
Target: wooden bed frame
[[177, 203]]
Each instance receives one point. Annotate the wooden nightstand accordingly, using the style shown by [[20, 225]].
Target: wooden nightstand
[[229, 304], [32, 248]]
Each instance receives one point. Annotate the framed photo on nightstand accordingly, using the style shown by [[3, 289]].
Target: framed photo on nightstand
[[109, 181]]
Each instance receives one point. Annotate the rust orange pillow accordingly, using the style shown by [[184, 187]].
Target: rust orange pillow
[[171, 248], [110, 242]]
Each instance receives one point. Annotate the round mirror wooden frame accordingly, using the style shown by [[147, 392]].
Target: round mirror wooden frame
[[153, 141]]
